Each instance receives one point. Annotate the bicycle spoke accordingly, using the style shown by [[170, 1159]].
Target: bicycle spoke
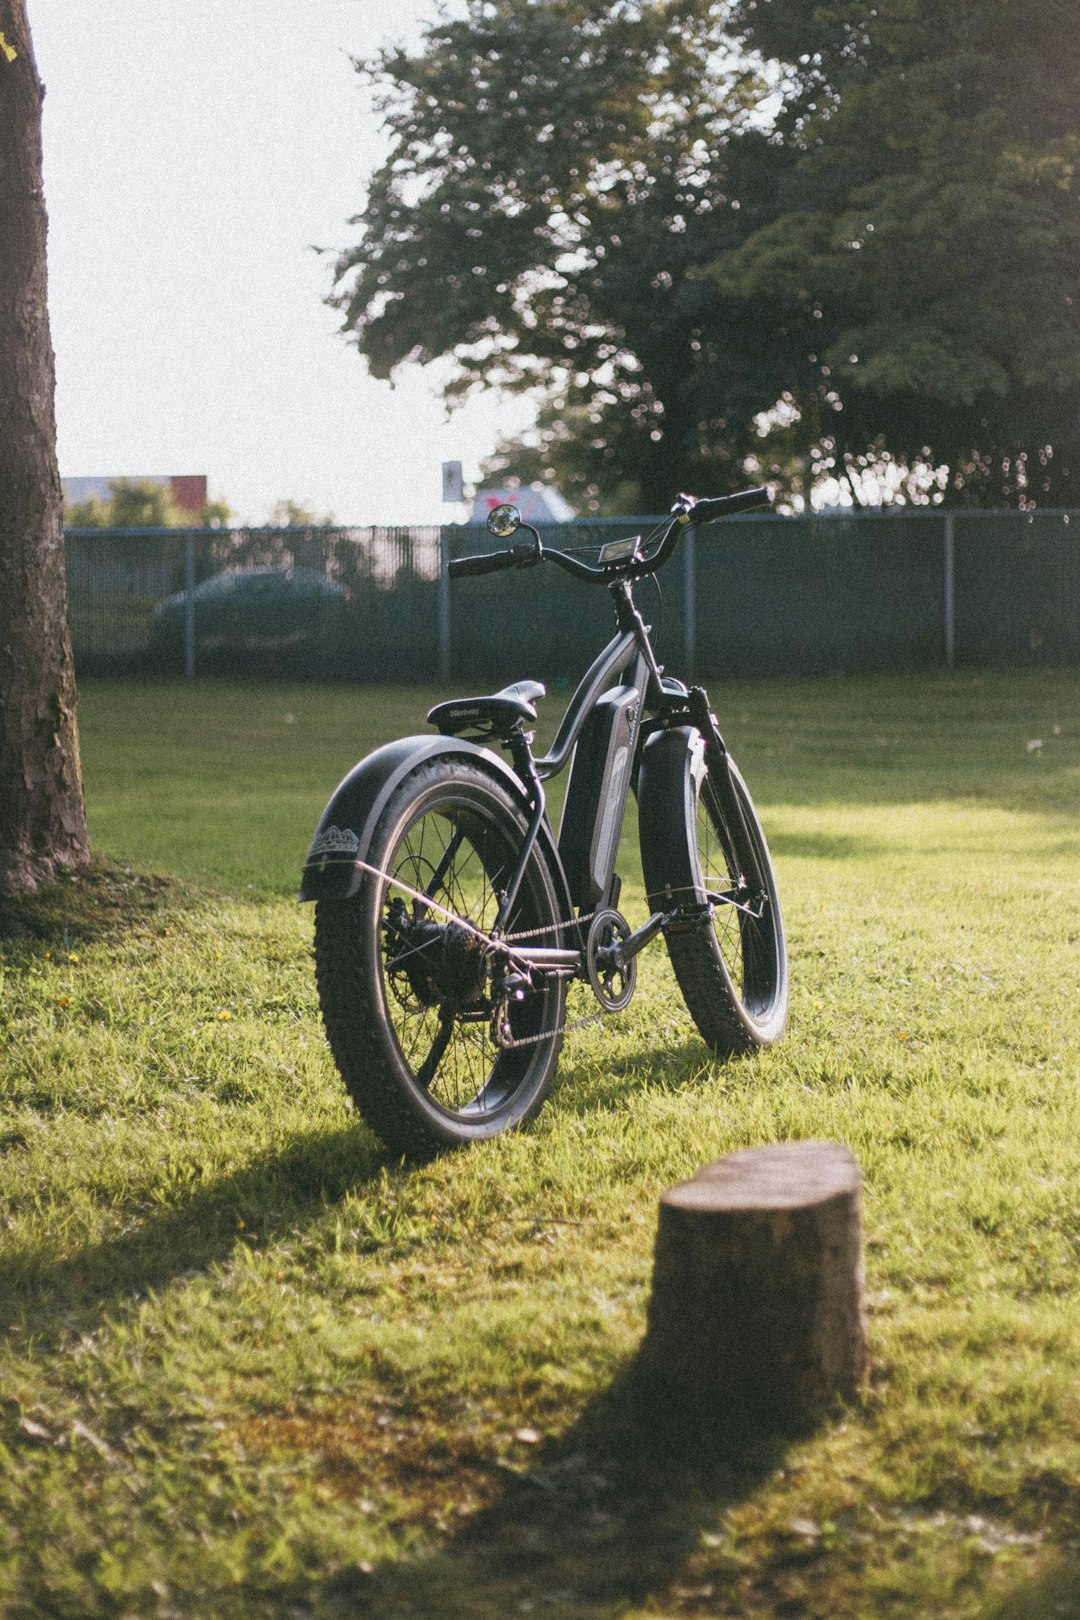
[[720, 874], [456, 866]]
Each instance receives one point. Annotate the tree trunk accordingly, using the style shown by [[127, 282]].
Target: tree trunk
[[42, 817], [756, 1318]]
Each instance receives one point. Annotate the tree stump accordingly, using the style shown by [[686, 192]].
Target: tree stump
[[757, 1318]]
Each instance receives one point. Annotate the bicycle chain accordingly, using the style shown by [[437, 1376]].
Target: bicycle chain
[[549, 1035], [575, 1023], [549, 928], [495, 944], [506, 943], [453, 916]]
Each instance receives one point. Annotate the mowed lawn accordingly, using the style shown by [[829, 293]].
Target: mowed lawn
[[251, 1366]]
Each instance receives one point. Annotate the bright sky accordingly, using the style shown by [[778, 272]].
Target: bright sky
[[195, 152]]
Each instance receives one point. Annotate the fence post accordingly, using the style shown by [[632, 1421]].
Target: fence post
[[189, 605], [689, 599], [950, 589], [444, 606]]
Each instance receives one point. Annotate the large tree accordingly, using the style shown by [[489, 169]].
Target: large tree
[[42, 819], [930, 239], [559, 175], [881, 282]]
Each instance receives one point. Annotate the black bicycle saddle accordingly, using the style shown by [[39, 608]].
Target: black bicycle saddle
[[493, 716]]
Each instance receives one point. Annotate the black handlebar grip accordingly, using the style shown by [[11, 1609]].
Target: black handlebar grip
[[727, 505], [485, 562]]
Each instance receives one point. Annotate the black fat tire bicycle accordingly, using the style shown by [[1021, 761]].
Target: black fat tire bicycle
[[450, 920]]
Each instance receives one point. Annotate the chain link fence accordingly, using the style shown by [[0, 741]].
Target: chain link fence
[[751, 595]]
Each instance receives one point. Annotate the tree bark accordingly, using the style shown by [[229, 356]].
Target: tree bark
[[756, 1319], [42, 815]]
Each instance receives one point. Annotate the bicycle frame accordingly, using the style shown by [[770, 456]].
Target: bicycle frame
[[605, 764], [605, 731]]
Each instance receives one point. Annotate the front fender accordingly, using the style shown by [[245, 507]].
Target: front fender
[[347, 825], [671, 763]]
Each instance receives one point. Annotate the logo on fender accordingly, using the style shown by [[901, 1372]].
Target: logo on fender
[[334, 841]]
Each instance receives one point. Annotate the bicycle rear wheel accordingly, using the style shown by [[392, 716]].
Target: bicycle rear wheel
[[408, 986], [703, 849]]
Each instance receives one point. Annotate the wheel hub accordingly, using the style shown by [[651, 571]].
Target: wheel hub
[[442, 963]]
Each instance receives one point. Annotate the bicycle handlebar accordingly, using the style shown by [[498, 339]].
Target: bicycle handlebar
[[685, 511], [727, 505], [492, 562]]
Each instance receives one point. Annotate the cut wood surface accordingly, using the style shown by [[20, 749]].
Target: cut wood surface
[[757, 1314]]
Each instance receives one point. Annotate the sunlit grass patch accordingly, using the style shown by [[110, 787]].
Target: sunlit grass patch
[[251, 1366]]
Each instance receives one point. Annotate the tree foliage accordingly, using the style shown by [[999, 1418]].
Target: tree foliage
[[557, 180], [290, 514], [931, 237], [140, 503], [875, 279]]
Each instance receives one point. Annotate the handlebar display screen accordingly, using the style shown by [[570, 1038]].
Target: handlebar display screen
[[619, 550]]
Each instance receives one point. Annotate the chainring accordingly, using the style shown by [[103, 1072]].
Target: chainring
[[612, 978]]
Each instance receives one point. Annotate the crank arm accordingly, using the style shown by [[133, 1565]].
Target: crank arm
[[545, 958], [626, 949]]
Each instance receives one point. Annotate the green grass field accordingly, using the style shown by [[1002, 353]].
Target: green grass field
[[250, 1367]]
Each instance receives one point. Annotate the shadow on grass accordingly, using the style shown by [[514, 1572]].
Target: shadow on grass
[[197, 1226], [84, 906], [608, 1516], [685, 1063], [278, 1192]]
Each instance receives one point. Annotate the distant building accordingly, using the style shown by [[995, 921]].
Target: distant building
[[186, 490], [541, 505]]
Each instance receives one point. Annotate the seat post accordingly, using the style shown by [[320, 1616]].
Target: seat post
[[519, 742]]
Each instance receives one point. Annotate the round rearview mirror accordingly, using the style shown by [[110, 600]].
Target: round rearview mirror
[[503, 521]]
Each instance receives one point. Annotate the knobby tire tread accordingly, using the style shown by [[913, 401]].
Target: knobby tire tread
[[704, 989], [671, 864], [352, 1027], [695, 958]]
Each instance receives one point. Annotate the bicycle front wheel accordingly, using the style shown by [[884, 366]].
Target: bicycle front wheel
[[703, 851], [408, 983]]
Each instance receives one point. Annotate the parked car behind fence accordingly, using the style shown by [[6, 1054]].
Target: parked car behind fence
[[252, 610]]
